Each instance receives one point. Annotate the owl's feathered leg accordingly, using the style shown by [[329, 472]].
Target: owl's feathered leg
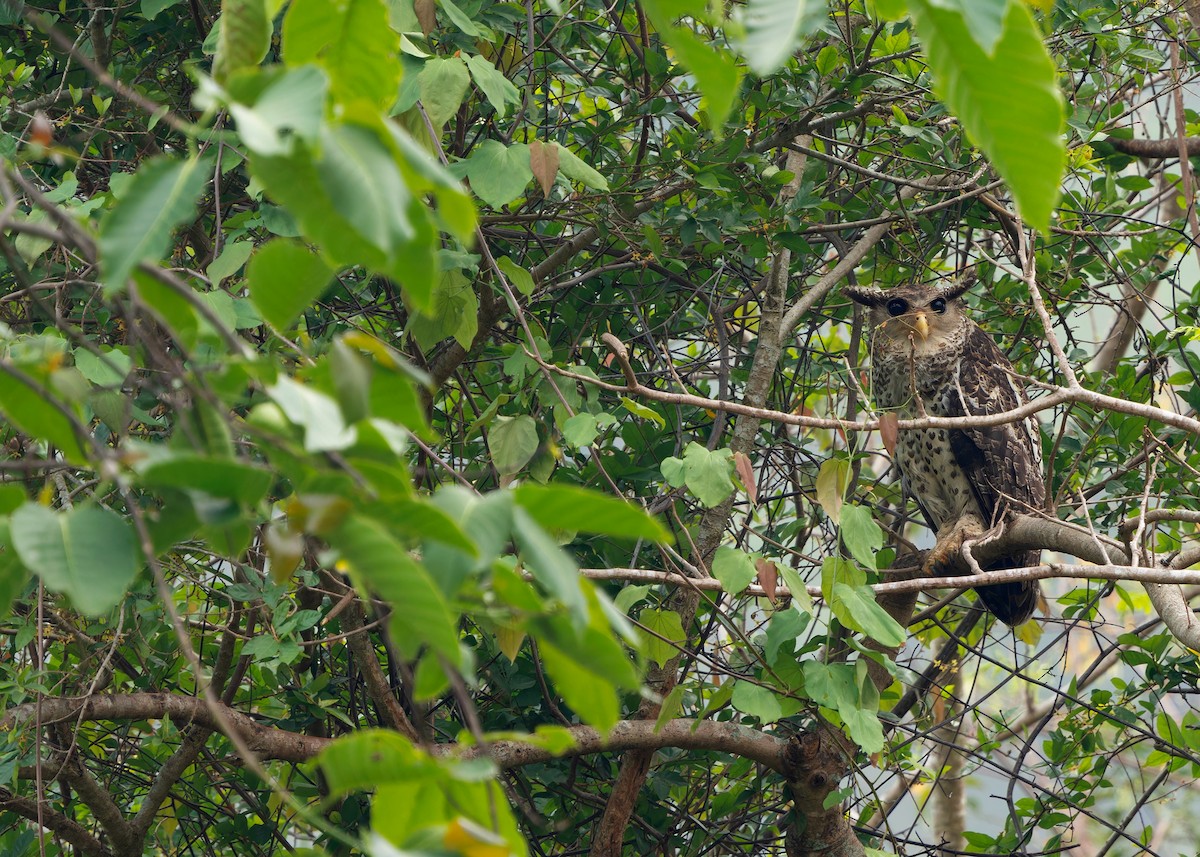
[[944, 558], [1011, 602]]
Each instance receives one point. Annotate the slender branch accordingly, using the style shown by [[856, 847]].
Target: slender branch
[[1057, 396]]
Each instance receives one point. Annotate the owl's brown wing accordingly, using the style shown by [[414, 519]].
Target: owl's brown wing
[[1003, 463]]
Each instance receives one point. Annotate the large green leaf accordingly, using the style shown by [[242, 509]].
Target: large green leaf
[[454, 311], [352, 199], [443, 82], [665, 637], [773, 31], [284, 278], [714, 69], [551, 565], [219, 477], [420, 615], [499, 173], [31, 411], [499, 89], [88, 553], [245, 36], [734, 568], [161, 196], [569, 507], [707, 473], [353, 41], [318, 414], [1008, 102], [512, 441], [861, 535], [594, 698], [276, 104], [857, 609]]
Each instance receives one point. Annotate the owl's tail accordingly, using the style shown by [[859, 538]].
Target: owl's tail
[[1012, 603]]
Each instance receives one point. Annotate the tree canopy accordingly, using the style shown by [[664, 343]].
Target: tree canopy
[[435, 427]]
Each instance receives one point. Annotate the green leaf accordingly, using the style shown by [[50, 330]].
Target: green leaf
[[665, 638], [283, 279], [708, 475], [551, 566], [353, 201], [734, 568], [832, 480], [443, 82], [857, 609], [573, 167], [591, 696], [521, 279], [773, 30], [629, 595], [499, 173], [243, 483], [498, 89], [88, 553], [715, 70], [31, 411], [1009, 102], [801, 600], [512, 441], [161, 196], [782, 630], [762, 702], [229, 262], [454, 311], [276, 105], [569, 507], [581, 430], [318, 414], [984, 18], [368, 757], [151, 8], [353, 41], [642, 412], [13, 575], [836, 569], [109, 370], [245, 36], [671, 706], [864, 728], [861, 535], [459, 18], [421, 616]]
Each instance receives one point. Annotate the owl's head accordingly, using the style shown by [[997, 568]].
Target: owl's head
[[920, 316]]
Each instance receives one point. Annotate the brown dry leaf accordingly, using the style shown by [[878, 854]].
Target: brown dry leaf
[[889, 431], [543, 160], [745, 472], [768, 576], [425, 15]]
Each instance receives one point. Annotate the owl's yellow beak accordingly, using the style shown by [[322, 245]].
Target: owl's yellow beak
[[921, 325]]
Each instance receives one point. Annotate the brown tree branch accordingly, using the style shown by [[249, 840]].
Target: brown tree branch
[[67, 828], [1153, 149], [265, 741]]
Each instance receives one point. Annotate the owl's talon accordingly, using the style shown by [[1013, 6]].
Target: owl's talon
[[946, 556]]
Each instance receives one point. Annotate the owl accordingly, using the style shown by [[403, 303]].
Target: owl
[[929, 358]]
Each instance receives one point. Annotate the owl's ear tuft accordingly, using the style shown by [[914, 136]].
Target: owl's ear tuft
[[866, 295], [955, 288]]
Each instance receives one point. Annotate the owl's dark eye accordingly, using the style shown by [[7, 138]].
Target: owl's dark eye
[[938, 305], [897, 306]]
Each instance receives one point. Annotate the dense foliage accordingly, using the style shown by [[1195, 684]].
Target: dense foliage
[[435, 427]]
